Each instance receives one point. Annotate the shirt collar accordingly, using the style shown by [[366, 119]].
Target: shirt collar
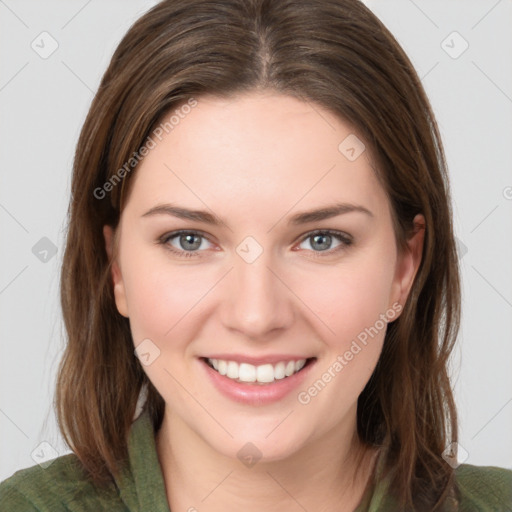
[[141, 483], [377, 496]]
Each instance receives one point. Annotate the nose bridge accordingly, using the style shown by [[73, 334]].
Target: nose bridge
[[258, 301]]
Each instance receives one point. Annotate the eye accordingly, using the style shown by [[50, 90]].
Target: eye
[[186, 243], [189, 243], [321, 241]]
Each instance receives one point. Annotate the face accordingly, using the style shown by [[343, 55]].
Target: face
[[253, 286]]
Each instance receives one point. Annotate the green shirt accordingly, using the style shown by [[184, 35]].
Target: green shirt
[[63, 486]]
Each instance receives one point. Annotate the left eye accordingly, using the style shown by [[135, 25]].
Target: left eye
[[321, 241]]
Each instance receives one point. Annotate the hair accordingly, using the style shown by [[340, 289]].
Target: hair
[[336, 54]]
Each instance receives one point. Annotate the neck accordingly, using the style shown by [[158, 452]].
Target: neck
[[325, 475]]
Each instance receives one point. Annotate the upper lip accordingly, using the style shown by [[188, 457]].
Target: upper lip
[[260, 360]]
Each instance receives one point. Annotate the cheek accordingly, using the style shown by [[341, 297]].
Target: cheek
[[163, 301], [350, 298], [351, 307], [159, 294]]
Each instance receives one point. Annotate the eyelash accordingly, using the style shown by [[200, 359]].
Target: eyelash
[[345, 240]]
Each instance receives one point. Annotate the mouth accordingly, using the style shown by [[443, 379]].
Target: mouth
[[258, 374], [256, 381]]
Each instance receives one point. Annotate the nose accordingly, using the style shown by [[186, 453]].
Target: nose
[[258, 303]]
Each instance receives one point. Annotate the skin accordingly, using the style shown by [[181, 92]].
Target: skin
[[254, 160]]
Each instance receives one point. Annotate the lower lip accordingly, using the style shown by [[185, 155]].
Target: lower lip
[[256, 394]]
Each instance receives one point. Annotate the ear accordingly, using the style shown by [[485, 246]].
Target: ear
[[408, 262], [117, 277]]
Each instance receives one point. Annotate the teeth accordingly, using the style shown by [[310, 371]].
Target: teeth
[[264, 373], [222, 367], [232, 370], [299, 364], [290, 369], [246, 372], [279, 371]]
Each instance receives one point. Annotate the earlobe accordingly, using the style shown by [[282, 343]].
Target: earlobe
[[409, 261], [117, 277]]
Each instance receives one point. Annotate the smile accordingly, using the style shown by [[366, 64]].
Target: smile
[[262, 374], [256, 381]]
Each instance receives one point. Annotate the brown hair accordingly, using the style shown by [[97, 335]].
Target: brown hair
[[337, 54]]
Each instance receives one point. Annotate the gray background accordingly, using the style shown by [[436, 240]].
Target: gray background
[[43, 103]]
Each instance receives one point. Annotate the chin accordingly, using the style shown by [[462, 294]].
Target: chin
[[259, 444]]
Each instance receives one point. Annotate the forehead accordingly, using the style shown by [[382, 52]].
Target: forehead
[[255, 150]]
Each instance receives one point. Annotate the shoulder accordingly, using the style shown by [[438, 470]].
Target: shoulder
[[61, 485], [484, 488]]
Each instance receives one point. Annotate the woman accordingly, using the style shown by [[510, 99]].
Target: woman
[[294, 355]]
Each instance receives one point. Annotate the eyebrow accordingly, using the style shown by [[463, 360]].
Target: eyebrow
[[305, 217]]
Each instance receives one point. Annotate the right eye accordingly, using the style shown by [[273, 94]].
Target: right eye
[[187, 243]]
